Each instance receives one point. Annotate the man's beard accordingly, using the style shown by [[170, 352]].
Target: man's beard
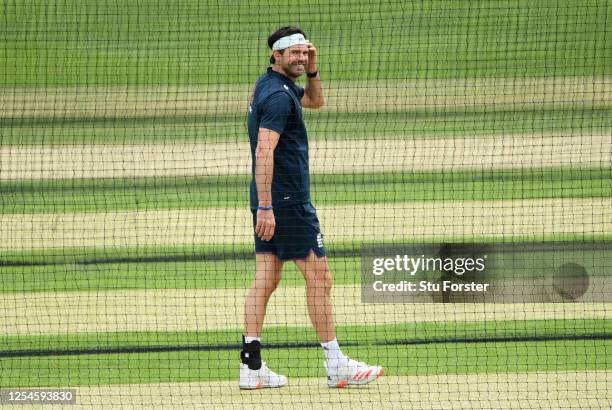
[[291, 69]]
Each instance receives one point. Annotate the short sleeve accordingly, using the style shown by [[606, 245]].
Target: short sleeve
[[300, 91], [275, 111]]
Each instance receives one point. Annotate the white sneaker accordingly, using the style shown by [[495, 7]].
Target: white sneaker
[[258, 379], [352, 373]]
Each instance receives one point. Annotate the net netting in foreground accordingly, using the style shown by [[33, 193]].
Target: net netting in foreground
[[452, 130]]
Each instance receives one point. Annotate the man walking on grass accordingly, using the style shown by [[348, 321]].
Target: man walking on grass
[[285, 222]]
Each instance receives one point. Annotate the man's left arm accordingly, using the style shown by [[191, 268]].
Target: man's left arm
[[313, 93]]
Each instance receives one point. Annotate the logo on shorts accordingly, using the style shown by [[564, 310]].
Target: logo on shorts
[[319, 240]]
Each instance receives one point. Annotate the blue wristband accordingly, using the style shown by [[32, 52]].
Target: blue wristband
[[265, 208]]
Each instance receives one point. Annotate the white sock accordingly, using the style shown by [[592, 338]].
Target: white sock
[[335, 357], [249, 339]]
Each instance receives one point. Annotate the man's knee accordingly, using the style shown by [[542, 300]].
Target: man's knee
[[266, 284], [319, 278], [315, 270], [268, 273]]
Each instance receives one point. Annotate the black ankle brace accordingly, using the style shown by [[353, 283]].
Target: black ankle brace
[[251, 354]]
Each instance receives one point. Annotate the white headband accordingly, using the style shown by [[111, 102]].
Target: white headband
[[288, 41]]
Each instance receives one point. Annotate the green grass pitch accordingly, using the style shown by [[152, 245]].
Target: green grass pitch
[[125, 47]]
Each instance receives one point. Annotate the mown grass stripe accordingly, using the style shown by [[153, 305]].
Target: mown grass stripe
[[227, 252], [369, 115], [297, 345], [321, 126], [113, 194], [275, 335], [217, 181], [445, 39], [429, 359], [221, 271]]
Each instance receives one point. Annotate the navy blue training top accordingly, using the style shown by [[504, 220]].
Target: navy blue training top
[[276, 106]]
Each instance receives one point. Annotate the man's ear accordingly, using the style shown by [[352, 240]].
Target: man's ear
[[277, 55]]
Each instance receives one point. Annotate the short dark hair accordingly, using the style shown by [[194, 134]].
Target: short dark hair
[[280, 33]]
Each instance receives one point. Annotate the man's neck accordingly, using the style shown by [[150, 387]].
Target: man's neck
[[279, 70]]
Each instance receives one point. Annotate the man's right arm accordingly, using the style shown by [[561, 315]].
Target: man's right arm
[[264, 172], [264, 164], [275, 112]]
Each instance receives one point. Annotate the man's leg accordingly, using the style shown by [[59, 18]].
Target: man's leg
[[318, 294], [341, 370], [254, 374], [268, 270]]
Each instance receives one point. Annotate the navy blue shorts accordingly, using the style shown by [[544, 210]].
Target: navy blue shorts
[[297, 232]]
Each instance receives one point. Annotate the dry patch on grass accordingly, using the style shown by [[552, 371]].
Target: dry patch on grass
[[342, 96], [538, 390], [326, 156], [173, 310], [421, 221]]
